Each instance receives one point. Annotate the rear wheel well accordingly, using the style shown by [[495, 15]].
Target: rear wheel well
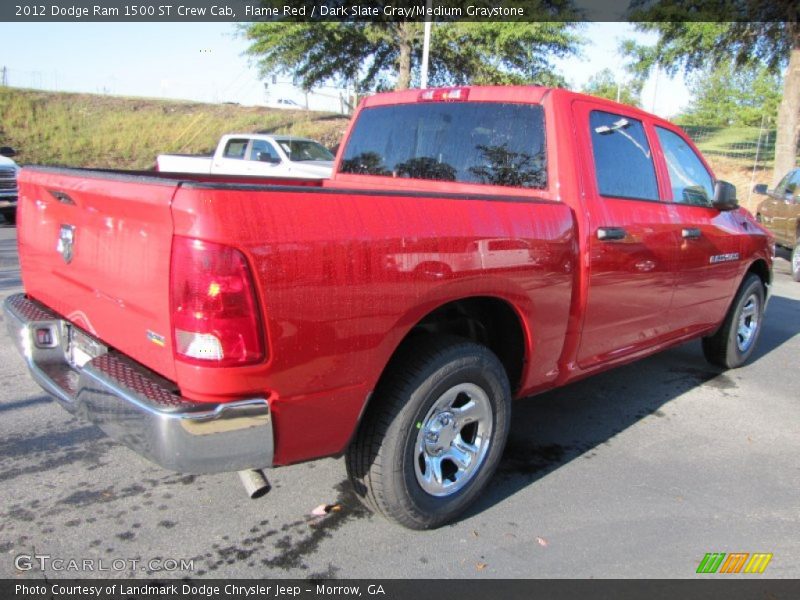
[[484, 320]]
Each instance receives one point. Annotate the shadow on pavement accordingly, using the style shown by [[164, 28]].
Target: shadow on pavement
[[550, 430]]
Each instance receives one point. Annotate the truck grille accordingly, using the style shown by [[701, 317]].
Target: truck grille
[[8, 180]]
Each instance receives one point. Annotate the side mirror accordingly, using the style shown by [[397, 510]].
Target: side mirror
[[725, 196], [267, 158], [7, 151], [760, 188]]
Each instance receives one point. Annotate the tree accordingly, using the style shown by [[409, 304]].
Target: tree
[[770, 36], [728, 95], [605, 85], [381, 55]]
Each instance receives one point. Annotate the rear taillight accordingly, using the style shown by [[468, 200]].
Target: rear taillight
[[215, 318]]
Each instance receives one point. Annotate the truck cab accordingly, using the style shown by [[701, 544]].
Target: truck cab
[[271, 156]]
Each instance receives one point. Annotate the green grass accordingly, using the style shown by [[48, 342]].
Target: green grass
[[87, 130], [737, 143]]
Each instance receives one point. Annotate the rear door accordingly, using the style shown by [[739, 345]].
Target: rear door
[[632, 238], [709, 254]]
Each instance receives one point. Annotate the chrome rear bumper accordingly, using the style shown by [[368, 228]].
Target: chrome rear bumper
[[136, 407]]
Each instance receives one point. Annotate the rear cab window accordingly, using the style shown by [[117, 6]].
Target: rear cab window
[[491, 143]]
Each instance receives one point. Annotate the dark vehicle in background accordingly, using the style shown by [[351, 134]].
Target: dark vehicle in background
[[780, 213], [8, 184]]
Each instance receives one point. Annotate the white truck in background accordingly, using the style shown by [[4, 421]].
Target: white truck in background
[[257, 155]]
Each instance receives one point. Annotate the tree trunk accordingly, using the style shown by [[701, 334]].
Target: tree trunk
[[788, 116], [404, 40]]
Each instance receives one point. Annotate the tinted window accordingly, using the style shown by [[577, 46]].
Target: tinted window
[[691, 183], [793, 187], [264, 148], [622, 158], [300, 150], [471, 142], [235, 149]]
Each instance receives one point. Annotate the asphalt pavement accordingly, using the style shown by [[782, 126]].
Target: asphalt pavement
[[637, 472]]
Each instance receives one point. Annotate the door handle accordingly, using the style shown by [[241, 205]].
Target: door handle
[[606, 234], [690, 233]]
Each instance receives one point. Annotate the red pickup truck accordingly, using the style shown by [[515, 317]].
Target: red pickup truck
[[475, 245]]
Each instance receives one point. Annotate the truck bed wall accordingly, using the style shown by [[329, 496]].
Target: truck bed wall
[[337, 298]]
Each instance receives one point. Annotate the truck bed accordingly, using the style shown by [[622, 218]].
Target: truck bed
[[328, 265]]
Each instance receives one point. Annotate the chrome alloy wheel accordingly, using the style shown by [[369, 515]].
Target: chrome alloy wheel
[[796, 259], [453, 440], [748, 323]]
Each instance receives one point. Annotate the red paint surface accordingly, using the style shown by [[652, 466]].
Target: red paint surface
[[342, 277]]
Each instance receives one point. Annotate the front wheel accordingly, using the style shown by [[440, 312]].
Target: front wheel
[[433, 434], [796, 260], [735, 340]]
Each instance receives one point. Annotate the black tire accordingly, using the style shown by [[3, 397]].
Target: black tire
[[381, 459], [726, 348], [795, 264], [10, 216]]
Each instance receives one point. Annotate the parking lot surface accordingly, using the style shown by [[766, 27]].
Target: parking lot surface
[[637, 472]]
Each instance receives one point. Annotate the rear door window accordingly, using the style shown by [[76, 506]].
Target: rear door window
[[691, 183], [471, 142], [622, 158], [235, 148]]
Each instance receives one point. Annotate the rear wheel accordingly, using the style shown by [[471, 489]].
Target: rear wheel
[[434, 433], [796, 260], [734, 342], [10, 216]]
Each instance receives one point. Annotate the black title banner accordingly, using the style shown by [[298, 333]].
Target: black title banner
[[396, 10]]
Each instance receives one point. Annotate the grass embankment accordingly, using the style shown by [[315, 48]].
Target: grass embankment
[[88, 130]]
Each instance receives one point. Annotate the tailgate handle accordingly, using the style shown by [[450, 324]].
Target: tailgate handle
[[62, 197], [611, 233], [690, 233]]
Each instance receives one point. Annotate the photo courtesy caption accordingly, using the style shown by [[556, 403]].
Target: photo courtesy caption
[[55, 589]]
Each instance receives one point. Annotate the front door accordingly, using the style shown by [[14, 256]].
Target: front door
[[709, 255]]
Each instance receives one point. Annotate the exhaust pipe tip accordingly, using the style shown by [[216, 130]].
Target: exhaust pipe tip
[[255, 483]]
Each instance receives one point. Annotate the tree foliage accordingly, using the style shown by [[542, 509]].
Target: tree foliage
[[760, 33], [605, 85], [725, 95], [385, 55]]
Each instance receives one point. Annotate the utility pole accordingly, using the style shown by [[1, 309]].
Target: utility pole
[[426, 47], [4, 79], [655, 92]]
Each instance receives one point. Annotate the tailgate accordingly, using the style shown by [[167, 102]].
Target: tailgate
[[95, 247]]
